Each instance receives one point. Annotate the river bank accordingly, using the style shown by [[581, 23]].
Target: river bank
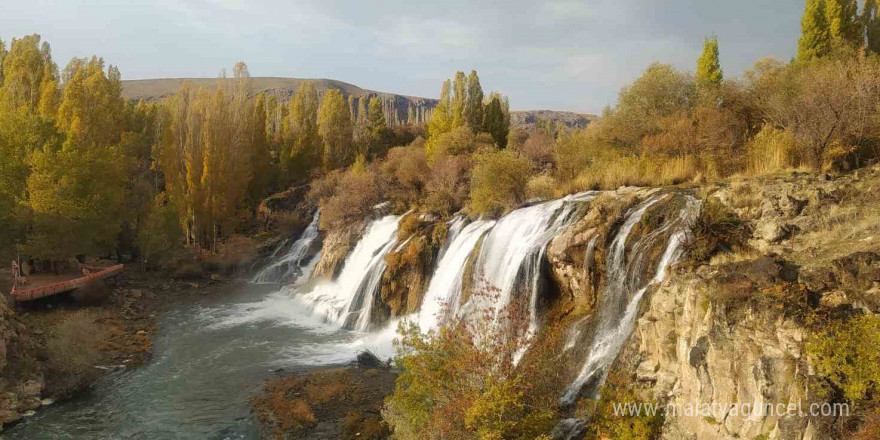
[[55, 350]]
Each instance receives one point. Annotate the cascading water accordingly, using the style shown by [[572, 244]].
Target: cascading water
[[348, 301], [444, 290], [293, 265], [512, 253], [624, 290]]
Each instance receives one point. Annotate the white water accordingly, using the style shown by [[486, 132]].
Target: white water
[[617, 310], [292, 266], [348, 301], [511, 255], [444, 290]]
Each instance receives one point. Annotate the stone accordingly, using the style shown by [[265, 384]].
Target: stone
[[771, 231]]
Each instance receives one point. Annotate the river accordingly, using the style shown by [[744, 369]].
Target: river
[[212, 352]]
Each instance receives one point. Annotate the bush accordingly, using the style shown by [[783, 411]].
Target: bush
[[542, 187], [73, 348], [355, 194], [538, 148], [460, 141], [846, 352], [618, 389], [407, 168], [460, 381], [717, 228], [498, 182], [447, 185]]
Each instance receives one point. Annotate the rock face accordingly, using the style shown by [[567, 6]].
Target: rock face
[[692, 346], [20, 386], [335, 248]]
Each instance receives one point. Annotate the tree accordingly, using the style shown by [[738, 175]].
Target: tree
[[380, 135], [871, 22], [815, 41], [708, 65], [843, 22], [474, 107], [29, 75], [261, 156], [2, 56], [334, 125], [496, 122], [304, 128], [441, 120], [76, 192], [459, 99]]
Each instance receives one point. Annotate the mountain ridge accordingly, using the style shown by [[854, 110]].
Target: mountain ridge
[[399, 108]]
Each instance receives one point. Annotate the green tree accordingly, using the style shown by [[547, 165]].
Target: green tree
[[843, 22], [498, 182], [708, 65], [379, 133], [474, 106], [815, 41], [871, 22], [2, 56], [459, 99], [496, 122], [304, 127], [334, 125]]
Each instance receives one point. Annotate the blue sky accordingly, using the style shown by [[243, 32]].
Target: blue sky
[[562, 55]]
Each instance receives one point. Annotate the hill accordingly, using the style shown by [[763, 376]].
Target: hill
[[398, 108]]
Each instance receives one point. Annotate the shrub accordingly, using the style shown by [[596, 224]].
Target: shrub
[[846, 352], [498, 182], [447, 184], [541, 187], [618, 389], [407, 168], [460, 381], [717, 228], [460, 141], [359, 190], [538, 148], [72, 350]]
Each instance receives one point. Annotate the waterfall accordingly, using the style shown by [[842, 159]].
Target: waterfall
[[624, 288], [348, 301], [512, 252], [444, 290], [293, 265]]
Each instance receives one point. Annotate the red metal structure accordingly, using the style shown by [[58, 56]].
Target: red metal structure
[[20, 295]]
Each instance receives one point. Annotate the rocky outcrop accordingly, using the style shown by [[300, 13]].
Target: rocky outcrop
[[701, 339], [409, 265], [335, 248]]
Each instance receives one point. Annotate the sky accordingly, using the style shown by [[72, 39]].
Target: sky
[[559, 55]]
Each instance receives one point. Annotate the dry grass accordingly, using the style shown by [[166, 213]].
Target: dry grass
[[734, 257], [72, 350], [321, 393]]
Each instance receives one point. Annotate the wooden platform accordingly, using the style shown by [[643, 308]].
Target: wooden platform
[[30, 294]]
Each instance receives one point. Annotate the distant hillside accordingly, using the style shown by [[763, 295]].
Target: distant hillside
[[528, 118], [399, 109]]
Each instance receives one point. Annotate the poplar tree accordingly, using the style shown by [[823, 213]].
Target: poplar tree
[[843, 22], [261, 156], [334, 125], [474, 107], [377, 126], [459, 99], [304, 127], [495, 121], [441, 121], [815, 41], [708, 65], [871, 22]]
